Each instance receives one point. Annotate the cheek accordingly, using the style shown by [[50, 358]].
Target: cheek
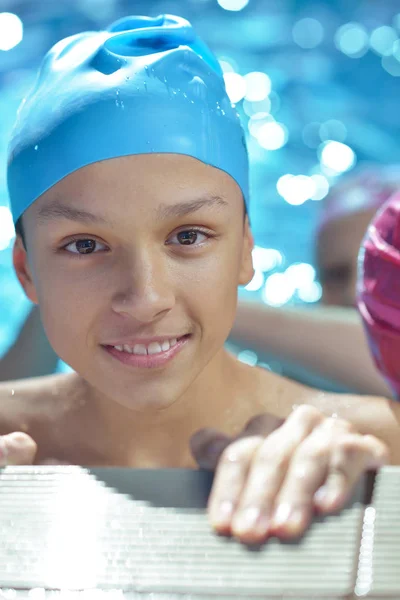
[[210, 287], [69, 300]]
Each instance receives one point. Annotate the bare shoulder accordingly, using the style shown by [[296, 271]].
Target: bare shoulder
[[372, 415], [25, 403], [277, 394]]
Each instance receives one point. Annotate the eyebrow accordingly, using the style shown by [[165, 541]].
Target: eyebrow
[[58, 210], [184, 208]]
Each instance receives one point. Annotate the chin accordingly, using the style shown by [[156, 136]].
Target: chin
[[139, 396]]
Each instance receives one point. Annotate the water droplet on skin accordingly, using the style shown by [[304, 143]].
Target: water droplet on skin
[[12, 392]]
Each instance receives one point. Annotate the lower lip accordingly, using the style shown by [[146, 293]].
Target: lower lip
[[148, 361]]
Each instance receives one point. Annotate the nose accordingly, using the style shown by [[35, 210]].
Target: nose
[[145, 290]]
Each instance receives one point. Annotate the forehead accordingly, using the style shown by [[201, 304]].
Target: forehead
[[153, 178]]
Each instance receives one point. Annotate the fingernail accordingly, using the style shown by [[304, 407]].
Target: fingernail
[[246, 520], [3, 452], [222, 515], [327, 498], [291, 520], [282, 514], [296, 522]]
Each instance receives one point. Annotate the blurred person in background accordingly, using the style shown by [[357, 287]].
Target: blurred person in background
[[328, 340]]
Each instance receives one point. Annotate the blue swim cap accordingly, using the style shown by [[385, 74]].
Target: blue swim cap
[[145, 85]]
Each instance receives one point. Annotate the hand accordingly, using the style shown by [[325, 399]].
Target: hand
[[270, 483], [17, 448]]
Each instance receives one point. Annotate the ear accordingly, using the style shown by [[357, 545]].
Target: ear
[[246, 269], [22, 269]]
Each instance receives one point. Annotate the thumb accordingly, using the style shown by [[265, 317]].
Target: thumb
[[17, 448], [207, 446]]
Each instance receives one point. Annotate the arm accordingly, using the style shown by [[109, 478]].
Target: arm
[[328, 341], [31, 355]]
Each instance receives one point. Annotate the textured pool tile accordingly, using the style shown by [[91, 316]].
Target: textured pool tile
[[145, 533], [379, 562]]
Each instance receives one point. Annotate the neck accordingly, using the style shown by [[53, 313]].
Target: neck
[[158, 438]]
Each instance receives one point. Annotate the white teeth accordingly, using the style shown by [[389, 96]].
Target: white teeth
[[154, 348], [139, 349]]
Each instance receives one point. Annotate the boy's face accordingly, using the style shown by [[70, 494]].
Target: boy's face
[[145, 251]]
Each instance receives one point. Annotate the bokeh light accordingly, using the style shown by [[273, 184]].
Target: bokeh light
[[272, 135], [278, 289], [266, 259], [333, 130], [252, 108], [257, 120], [310, 292], [308, 33], [256, 283], [352, 39], [296, 189], [311, 135], [337, 156], [300, 273], [7, 231], [235, 86], [391, 64], [382, 40], [321, 187], [258, 86], [11, 30], [227, 65], [233, 4]]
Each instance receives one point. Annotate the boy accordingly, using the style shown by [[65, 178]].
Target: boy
[[128, 184]]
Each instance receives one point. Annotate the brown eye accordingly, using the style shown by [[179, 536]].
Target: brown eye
[[84, 246], [187, 238]]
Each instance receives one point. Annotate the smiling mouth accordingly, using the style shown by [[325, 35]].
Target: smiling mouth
[[151, 355], [152, 348]]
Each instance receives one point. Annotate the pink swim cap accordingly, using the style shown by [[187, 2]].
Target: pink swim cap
[[365, 188], [379, 290]]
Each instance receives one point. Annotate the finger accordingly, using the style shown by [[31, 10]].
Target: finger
[[307, 472], [353, 456], [267, 471], [17, 448], [229, 480], [207, 445]]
